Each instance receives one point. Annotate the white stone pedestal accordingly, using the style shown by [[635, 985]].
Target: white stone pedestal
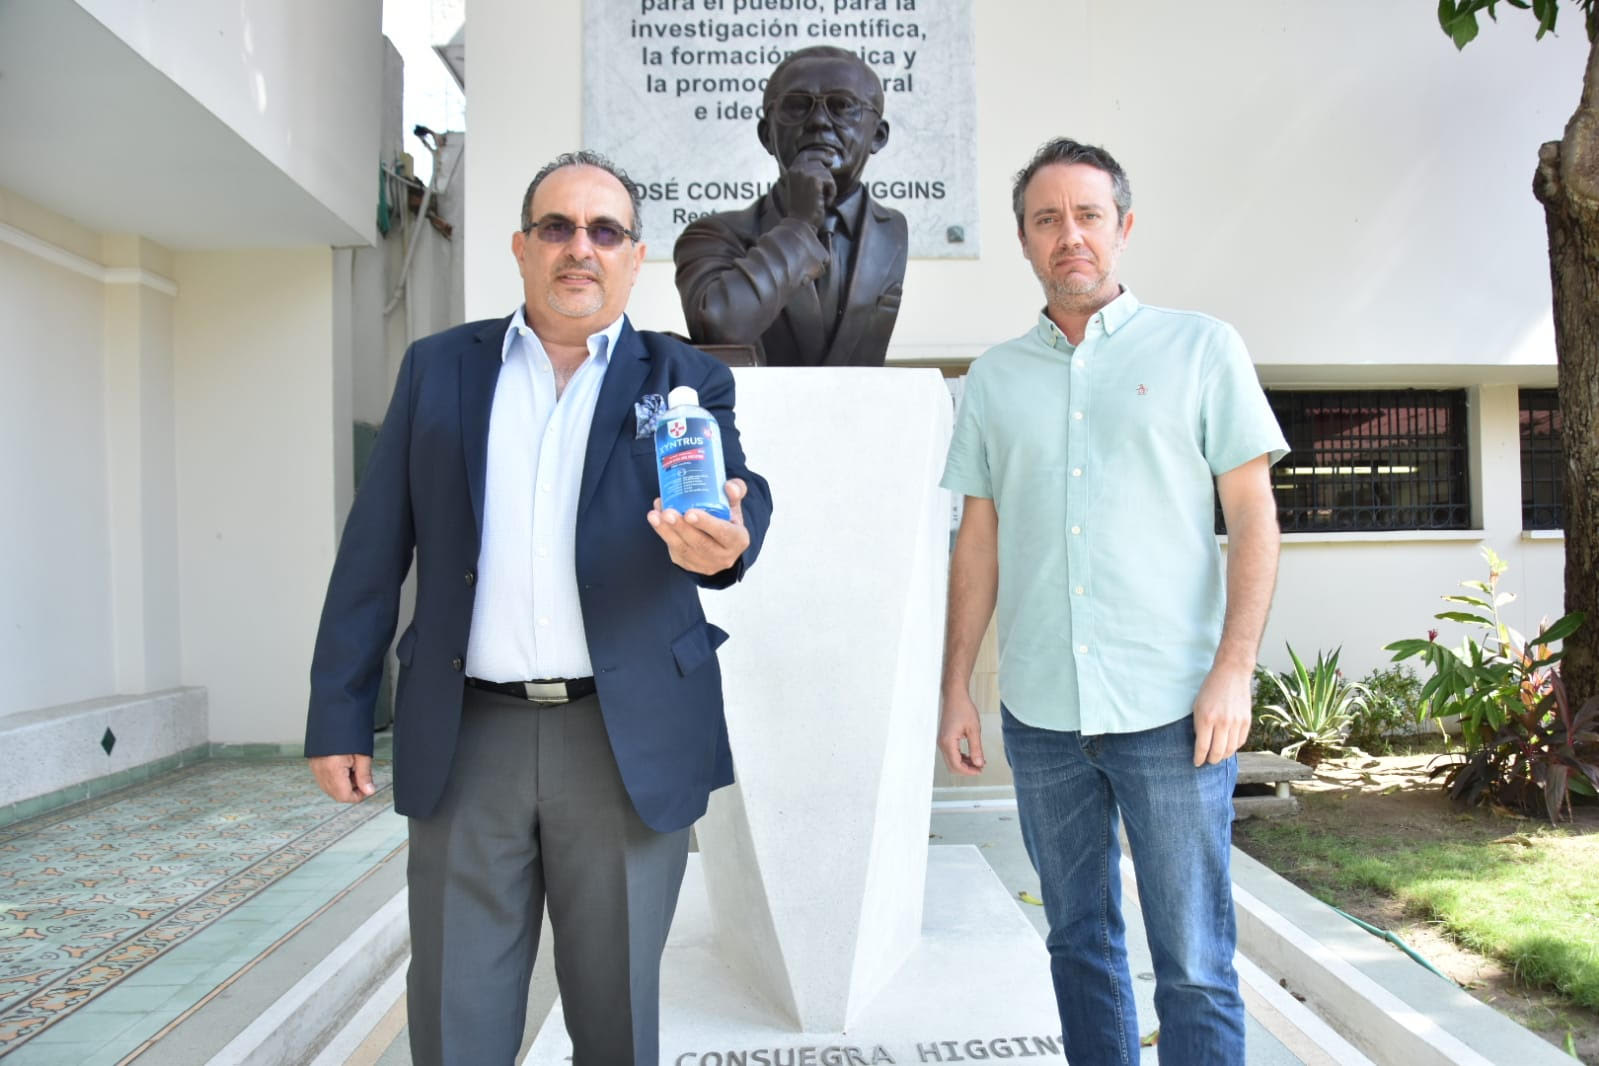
[[976, 985], [815, 858]]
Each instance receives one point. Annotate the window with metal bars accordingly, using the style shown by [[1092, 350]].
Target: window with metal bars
[[1542, 474], [1371, 459]]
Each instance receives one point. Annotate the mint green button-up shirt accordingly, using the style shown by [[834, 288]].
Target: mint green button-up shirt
[[1100, 460]]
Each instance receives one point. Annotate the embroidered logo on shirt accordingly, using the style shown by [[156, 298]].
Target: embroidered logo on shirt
[[1142, 391]]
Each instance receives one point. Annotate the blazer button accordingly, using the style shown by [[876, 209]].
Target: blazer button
[[471, 576], [457, 663]]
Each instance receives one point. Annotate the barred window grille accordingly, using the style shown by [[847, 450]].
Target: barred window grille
[[1542, 473], [1371, 459]]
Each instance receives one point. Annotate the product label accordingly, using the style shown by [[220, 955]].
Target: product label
[[689, 459]]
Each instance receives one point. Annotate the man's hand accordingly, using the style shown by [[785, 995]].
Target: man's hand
[[808, 191], [702, 543], [1221, 714], [347, 778], [959, 721]]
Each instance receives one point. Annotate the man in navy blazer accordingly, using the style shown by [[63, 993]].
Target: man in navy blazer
[[558, 713]]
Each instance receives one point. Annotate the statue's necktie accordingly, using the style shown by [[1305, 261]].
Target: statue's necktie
[[830, 284]]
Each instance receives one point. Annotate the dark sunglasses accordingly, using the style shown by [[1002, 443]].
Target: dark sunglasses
[[561, 230], [792, 108]]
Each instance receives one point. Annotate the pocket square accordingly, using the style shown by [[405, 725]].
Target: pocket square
[[647, 412]]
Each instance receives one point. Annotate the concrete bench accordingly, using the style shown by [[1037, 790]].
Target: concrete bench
[[1264, 768]]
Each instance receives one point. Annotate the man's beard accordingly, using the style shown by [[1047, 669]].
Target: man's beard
[[564, 306], [1074, 289], [1071, 288]]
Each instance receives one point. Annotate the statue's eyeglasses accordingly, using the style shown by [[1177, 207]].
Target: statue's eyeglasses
[[558, 230], [791, 109]]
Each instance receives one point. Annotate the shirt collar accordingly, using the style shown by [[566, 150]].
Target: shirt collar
[[601, 344], [1112, 317]]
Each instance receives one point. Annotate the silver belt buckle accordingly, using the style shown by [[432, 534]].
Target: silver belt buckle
[[545, 691]]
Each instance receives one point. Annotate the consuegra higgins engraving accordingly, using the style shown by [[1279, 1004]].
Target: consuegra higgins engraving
[[999, 1047]]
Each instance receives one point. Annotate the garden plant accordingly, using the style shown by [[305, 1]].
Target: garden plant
[[1314, 706], [1529, 746]]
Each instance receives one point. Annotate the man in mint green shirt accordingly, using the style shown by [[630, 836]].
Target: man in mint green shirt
[[1088, 451]]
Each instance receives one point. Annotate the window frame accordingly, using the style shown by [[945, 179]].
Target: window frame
[[1372, 460], [1542, 457]]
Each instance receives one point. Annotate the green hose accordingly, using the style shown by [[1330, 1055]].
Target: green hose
[[1399, 943]]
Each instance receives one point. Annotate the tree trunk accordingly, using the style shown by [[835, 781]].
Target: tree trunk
[[1567, 183]]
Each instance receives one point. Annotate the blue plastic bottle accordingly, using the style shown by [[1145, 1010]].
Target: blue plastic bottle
[[688, 456]]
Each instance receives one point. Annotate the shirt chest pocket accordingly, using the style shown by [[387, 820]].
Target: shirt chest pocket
[[1140, 429]]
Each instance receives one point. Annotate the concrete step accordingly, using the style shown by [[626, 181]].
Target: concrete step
[[295, 998]]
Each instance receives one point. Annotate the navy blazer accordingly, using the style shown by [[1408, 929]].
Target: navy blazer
[[654, 654]]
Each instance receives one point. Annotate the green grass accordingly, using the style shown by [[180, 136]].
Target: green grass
[[1532, 902]]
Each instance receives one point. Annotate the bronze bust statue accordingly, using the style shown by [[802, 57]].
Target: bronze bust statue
[[811, 273]]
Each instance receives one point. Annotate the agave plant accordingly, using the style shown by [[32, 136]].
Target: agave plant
[[1315, 706]]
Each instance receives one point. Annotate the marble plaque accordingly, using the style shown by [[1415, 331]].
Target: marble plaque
[[672, 92]]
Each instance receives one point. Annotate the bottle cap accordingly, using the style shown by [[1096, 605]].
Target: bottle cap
[[683, 396]]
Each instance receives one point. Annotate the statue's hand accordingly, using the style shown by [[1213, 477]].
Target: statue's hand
[[808, 189]]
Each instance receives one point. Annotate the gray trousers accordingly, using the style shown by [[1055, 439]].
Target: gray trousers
[[535, 813]]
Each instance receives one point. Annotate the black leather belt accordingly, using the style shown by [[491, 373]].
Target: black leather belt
[[560, 690]]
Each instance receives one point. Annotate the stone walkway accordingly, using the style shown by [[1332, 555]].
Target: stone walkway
[[229, 913]]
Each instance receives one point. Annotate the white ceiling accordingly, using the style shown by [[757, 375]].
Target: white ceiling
[[90, 130]]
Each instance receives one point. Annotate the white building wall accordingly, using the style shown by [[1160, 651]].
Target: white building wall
[[293, 78], [55, 549], [1365, 590], [177, 419], [1333, 178], [258, 430]]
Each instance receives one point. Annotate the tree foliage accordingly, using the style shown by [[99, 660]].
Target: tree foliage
[[1459, 17]]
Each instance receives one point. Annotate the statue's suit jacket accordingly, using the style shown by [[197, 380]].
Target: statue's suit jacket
[[653, 652], [740, 275]]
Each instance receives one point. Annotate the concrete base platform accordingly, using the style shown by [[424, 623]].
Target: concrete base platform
[[1304, 963], [972, 979]]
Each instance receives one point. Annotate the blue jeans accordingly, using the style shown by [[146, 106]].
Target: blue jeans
[[1069, 790]]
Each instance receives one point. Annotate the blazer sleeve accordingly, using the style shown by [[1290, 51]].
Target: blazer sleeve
[[363, 599], [716, 396], [732, 289]]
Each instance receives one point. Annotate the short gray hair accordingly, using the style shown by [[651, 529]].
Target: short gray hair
[[583, 158], [1066, 150]]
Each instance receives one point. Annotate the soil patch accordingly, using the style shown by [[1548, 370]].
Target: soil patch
[[1367, 800]]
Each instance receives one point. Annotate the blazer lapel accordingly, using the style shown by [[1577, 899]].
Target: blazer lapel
[[860, 300], [613, 411], [480, 371]]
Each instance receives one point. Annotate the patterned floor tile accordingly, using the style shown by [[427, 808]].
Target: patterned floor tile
[[94, 893]]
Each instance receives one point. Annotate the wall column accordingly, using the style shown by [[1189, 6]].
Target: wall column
[[141, 464]]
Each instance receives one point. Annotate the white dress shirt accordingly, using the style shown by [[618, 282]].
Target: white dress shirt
[[527, 622]]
